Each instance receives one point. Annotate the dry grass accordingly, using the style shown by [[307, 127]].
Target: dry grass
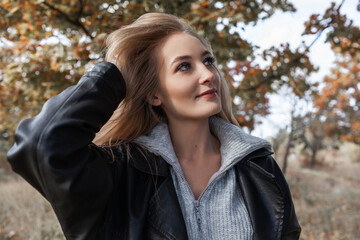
[[327, 204], [327, 198], [25, 214]]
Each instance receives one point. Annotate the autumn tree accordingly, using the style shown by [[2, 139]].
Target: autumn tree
[[311, 135], [48, 45], [336, 114], [339, 100]]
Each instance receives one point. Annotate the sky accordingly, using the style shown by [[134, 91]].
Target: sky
[[287, 27]]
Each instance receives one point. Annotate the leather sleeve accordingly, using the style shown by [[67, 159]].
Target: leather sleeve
[[54, 152], [291, 227]]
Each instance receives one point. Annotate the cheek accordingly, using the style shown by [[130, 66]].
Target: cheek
[[179, 89]]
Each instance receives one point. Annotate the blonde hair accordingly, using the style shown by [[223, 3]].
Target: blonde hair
[[131, 49]]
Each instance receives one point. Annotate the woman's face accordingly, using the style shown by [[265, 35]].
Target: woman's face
[[189, 82]]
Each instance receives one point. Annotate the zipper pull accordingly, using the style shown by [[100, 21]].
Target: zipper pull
[[197, 211]]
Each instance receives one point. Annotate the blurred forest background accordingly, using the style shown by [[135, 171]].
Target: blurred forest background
[[47, 46]]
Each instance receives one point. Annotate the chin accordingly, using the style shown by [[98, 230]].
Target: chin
[[212, 111]]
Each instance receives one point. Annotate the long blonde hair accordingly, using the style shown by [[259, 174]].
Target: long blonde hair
[[131, 48]]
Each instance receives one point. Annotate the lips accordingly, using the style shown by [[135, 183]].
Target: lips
[[209, 92]]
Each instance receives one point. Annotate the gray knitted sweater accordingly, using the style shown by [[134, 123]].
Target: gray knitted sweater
[[219, 212]]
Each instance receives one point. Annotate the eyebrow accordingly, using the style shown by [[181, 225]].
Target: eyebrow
[[180, 58]]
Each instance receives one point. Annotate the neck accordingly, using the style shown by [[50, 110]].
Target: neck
[[192, 139]]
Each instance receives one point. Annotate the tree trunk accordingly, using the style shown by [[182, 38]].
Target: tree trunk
[[313, 158], [314, 149], [288, 146]]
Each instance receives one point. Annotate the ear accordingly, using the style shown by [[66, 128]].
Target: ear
[[154, 100]]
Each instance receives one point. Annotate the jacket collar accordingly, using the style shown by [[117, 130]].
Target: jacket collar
[[235, 144], [147, 162]]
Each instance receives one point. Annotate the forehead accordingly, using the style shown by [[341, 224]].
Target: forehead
[[180, 44]]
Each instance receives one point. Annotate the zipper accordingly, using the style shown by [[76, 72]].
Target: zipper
[[197, 211], [196, 202]]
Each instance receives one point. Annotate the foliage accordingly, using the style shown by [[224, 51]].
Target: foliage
[[312, 134], [339, 100], [48, 46]]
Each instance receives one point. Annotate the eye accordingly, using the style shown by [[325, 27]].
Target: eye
[[209, 61], [183, 67]]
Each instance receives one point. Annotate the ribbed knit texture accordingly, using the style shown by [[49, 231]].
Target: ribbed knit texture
[[220, 212]]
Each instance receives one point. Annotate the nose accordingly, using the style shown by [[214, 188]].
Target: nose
[[206, 75]]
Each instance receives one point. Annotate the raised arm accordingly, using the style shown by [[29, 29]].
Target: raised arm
[[54, 152]]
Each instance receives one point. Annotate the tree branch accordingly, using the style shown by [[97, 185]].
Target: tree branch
[[292, 63], [322, 30], [81, 9], [272, 75], [75, 22]]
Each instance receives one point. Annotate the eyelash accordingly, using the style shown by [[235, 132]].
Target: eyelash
[[211, 59], [187, 64]]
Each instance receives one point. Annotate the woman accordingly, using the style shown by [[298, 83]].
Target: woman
[[153, 151]]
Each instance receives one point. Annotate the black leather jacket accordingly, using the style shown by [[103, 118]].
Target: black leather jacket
[[132, 197]]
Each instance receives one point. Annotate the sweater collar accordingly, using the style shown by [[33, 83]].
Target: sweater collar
[[235, 144]]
